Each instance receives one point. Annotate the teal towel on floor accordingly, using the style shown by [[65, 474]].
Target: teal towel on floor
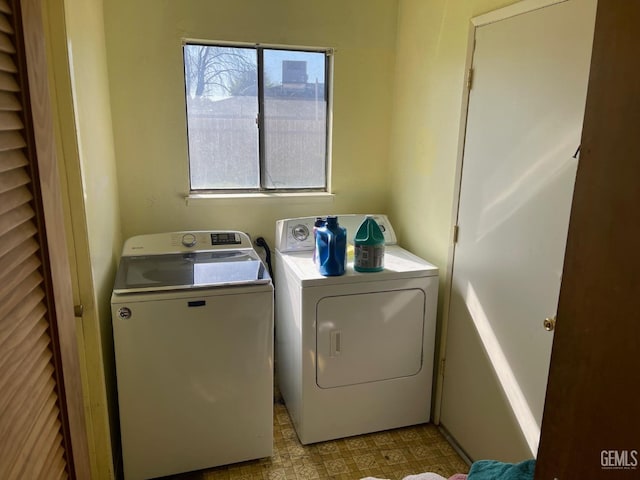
[[493, 470]]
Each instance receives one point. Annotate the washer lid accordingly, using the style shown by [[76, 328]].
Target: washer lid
[[146, 273]]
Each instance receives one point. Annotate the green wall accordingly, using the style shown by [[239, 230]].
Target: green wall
[[143, 41], [429, 84]]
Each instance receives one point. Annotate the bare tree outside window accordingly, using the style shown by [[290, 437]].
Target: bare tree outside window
[[223, 146], [213, 71], [229, 99]]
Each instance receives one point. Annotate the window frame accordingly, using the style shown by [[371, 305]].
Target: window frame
[[328, 87]]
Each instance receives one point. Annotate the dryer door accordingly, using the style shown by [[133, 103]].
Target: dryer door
[[369, 337]]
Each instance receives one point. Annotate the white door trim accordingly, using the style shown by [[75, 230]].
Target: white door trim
[[525, 6]]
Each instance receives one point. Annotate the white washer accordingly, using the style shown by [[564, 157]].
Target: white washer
[[354, 353], [193, 333]]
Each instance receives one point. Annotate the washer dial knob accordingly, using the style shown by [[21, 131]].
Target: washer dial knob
[[300, 232], [188, 240]]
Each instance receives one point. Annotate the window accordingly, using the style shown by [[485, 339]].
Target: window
[[256, 118]]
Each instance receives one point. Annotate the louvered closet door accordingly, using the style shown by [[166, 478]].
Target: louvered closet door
[[32, 442]]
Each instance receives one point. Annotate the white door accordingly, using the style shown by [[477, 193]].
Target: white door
[[530, 74]]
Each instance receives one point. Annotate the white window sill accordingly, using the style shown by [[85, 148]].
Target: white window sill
[[235, 198]]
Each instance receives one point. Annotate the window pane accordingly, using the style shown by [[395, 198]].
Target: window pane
[[295, 109], [222, 107]]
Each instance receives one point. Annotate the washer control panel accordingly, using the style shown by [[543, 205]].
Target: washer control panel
[[225, 238], [176, 242], [189, 240], [206, 240]]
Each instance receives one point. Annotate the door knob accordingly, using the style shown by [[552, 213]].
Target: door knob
[[549, 323]]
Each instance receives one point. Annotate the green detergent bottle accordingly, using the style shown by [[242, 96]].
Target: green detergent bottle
[[368, 247]]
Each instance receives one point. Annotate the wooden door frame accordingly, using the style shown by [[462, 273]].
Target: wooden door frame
[[591, 420], [40, 140], [103, 442]]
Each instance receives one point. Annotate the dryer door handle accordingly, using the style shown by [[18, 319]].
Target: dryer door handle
[[336, 343]]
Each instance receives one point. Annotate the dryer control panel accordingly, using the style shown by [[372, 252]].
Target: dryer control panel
[[296, 234]]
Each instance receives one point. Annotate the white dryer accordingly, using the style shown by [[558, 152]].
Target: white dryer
[[354, 353], [193, 336]]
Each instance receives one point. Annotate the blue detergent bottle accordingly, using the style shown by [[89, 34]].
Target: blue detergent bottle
[[369, 247], [331, 248], [318, 223]]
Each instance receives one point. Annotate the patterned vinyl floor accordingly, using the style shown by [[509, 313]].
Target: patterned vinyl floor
[[392, 454]]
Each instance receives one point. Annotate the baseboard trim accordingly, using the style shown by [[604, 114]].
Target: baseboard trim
[[455, 445]]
